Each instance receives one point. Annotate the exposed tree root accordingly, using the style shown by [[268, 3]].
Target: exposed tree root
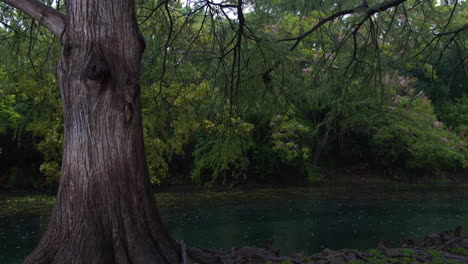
[[183, 252], [434, 248]]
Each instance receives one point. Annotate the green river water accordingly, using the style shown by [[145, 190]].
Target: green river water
[[297, 219]]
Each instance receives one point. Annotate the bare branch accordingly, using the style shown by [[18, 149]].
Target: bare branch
[[50, 18]]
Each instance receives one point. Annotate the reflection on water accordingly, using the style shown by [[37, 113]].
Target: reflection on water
[[297, 219]]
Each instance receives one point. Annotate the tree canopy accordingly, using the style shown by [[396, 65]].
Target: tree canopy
[[229, 91], [238, 90]]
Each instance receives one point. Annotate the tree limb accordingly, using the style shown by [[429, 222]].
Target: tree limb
[[369, 12], [465, 27], [50, 18]]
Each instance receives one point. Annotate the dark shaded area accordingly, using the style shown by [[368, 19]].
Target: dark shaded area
[[20, 161]]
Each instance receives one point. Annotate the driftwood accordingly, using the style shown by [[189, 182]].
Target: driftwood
[[423, 252]]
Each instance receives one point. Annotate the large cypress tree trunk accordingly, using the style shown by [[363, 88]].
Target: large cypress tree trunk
[[105, 211]]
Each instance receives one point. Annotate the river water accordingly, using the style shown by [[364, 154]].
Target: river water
[[297, 219]]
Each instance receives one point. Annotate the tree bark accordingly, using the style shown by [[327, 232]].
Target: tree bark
[[105, 210]]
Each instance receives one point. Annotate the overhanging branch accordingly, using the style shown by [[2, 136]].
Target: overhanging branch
[[50, 18], [456, 31], [368, 11]]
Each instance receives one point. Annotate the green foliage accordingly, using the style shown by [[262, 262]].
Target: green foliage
[[30, 112], [51, 147], [313, 174], [218, 142], [287, 132], [459, 251], [9, 117], [223, 151], [410, 135], [155, 153], [220, 105], [455, 114]]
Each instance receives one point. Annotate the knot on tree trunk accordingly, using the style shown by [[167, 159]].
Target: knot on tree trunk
[[97, 69]]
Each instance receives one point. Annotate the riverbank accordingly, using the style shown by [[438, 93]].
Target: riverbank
[[328, 177], [446, 247], [365, 175]]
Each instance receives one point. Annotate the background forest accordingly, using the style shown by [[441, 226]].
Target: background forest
[[238, 95]]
